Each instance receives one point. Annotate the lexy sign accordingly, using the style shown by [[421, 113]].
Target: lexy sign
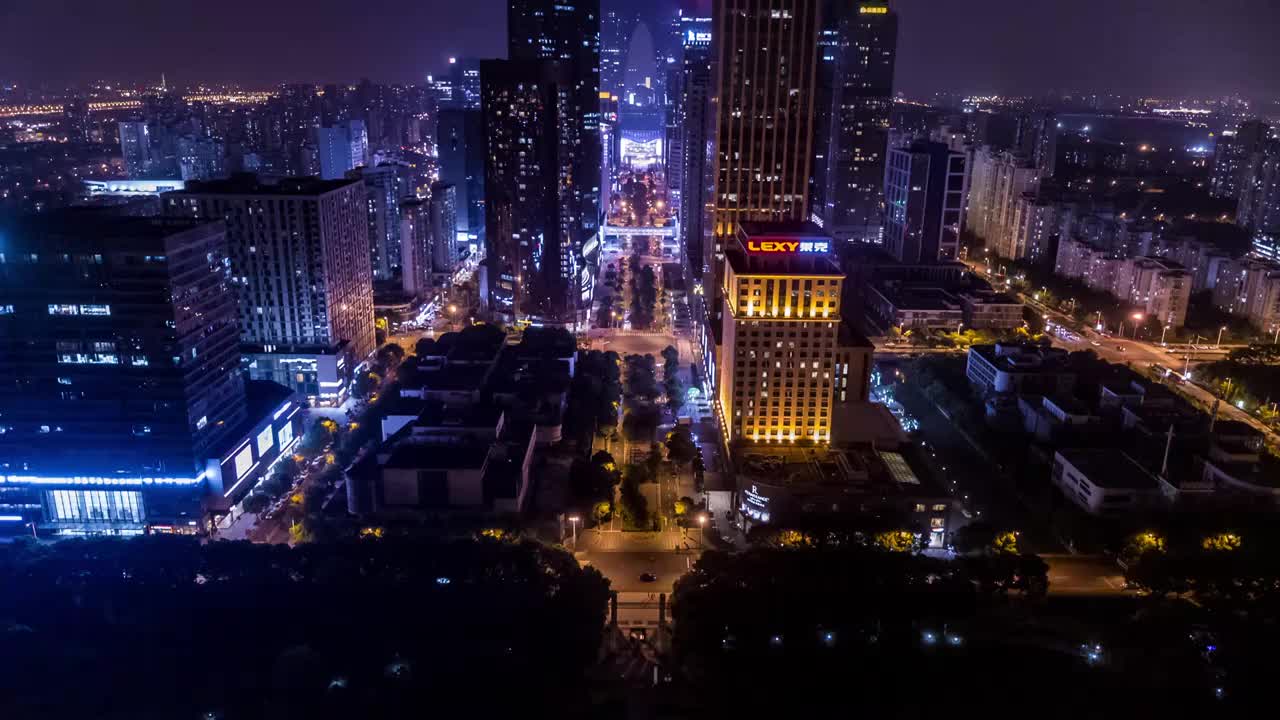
[[778, 247]]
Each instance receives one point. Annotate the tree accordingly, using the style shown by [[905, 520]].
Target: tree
[[593, 480], [680, 446], [255, 502], [365, 383], [631, 502]]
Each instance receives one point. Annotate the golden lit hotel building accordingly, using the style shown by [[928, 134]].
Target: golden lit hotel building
[[789, 362]]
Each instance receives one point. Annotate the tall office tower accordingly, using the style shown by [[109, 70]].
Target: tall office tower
[[75, 119], [299, 257], [415, 248], [856, 121], [1259, 205], [694, 123], [460, 148], [766, 57], [569, 35], [1232, 155], [789, 362], [443, 233], [123, 391], [616, 28], [135, 146], [341, 147], [925, 190], [527, 247], [464, 76], [387, 185]]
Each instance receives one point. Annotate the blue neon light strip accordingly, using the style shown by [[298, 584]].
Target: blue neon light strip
[[94, 480], [281, 410], [10, 518]]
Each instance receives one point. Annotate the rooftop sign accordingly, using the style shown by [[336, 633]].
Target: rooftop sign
[[788, 247]]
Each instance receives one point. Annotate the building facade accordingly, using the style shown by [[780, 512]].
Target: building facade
[[460, 145], [925, 191], [299, 259], [125, 397], [788, 362], [341, 148], [527, 253], [765, 75], [853, 119]]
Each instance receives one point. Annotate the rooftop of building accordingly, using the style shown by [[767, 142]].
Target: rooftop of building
[[1022, 357], [782, 248], [853, 470], [252, 184], [1109, 468], [918, 297], [988, 297], [91, 224], [411, 454]]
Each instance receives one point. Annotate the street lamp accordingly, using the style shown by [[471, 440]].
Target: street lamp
[[1220, 331], [1137, 318], [573, 524], [702, 522], [1162, 332]]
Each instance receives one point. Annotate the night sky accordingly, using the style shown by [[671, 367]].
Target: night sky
[[1012, 46]]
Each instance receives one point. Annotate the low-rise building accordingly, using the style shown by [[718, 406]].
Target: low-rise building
[[1019, 369], [1105, 481]]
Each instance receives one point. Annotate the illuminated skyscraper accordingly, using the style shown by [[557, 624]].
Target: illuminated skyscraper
[[568, 34], [530, 255], [766, 56], [788, 360], [854, 119]]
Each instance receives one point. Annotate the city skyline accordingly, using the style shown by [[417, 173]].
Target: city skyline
[[1142, 48]]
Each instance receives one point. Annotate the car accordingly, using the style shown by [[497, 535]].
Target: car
[[1095, 343], [1120, 348], [648, 577]]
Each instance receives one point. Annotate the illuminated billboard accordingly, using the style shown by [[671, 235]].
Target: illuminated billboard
[[641, 154], [788, 247]]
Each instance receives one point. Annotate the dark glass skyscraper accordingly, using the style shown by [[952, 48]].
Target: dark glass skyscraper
[[853, 122], [528, 249], [568, 34], [460, 147]]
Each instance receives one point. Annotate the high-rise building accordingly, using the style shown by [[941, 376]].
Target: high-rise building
[[299, 259], [529, 249], [694, 123], [460, 147], [1259, 205], [853, 120], [124, 404], [415, 248], [341, 148], [568, 34], [75, 119], [788, 359], [388, 185], [200, 158], [925, 192], [444, 233], [1232, 155], [464, 76], [135, 146], [766, 57], [997, 182]]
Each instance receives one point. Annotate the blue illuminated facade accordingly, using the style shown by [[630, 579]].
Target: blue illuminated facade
[[122, 355]]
